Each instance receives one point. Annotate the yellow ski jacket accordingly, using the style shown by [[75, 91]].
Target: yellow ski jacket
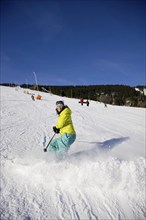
[[64, 122]]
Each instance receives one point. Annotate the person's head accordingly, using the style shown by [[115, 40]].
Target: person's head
[[59, 106]]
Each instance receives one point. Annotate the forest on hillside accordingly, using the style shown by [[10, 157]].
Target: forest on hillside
[[109, 94]]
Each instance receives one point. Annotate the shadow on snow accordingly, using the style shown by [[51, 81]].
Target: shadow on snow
[[104, 146]]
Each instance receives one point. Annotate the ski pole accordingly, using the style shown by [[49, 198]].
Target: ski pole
[[45, 149]]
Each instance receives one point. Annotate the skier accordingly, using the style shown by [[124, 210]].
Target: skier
[[65, 127], [32, 96], [87, 102], [81, 101]]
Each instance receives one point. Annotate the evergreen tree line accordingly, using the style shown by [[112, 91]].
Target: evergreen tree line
[[109, 94]]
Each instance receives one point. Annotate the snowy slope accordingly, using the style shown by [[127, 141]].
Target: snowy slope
[[103, 176]]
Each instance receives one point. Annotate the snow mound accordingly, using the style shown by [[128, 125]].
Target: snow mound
[[103, 176]]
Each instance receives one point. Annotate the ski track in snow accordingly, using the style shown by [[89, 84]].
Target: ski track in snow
[[103, 177]]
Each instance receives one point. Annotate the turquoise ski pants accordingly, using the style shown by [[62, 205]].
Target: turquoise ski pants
[[61, 145]]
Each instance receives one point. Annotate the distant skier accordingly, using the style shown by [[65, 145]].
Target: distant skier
[[81, 101], [87, 102], [32, 96], [65, 127]]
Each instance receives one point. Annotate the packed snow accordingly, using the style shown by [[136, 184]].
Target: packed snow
[[102, 178]]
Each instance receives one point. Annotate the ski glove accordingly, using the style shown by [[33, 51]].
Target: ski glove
[[56, 130]]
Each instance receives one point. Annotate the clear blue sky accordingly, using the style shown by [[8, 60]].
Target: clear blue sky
[[73, 42]]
